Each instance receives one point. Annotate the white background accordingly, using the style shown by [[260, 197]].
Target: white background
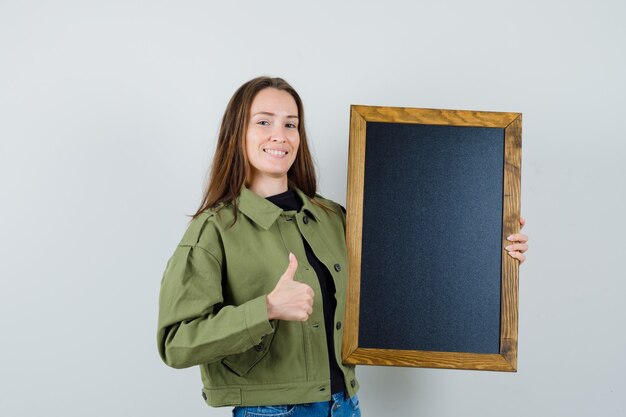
[[108, 118]]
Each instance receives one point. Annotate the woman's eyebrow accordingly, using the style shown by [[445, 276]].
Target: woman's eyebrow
[[266, 113]]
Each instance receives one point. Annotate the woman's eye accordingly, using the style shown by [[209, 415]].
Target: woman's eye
[[263, 123], [291, 125]]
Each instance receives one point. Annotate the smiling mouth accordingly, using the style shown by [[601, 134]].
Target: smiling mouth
[[275, 152]]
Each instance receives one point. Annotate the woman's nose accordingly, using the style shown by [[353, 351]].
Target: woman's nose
[[278, 135]]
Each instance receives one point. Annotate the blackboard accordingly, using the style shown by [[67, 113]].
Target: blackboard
[[432, 196]]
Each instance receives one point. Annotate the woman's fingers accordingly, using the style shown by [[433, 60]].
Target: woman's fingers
[[520, 243], [517, 247], [518, 237], [519, 256]]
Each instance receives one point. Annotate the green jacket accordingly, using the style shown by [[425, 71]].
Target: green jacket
[[212, 308]]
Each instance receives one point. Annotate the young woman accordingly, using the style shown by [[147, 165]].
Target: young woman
[[254, 293]]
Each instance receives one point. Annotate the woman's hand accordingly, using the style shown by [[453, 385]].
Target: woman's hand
[[290, 300], [520, 245]]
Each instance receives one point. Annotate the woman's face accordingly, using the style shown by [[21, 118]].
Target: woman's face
[[272, 138]]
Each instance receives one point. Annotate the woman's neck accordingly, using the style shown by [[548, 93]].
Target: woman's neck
[[268, 186]]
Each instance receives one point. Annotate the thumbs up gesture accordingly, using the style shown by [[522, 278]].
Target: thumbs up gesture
[[290, 300]]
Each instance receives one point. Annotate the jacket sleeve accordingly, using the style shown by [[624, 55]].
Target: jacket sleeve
[[193, 327]]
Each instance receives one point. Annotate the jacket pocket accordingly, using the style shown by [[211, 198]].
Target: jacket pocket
[[242, 363]]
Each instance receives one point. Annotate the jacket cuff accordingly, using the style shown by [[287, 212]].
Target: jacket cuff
[[257, 322]]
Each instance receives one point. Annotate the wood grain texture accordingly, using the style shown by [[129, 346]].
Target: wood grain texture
[[510, 225], [354, 223], [428, 359], [435, 116], [512, 124]]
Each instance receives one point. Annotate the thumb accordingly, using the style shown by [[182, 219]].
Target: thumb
[[291, 269]]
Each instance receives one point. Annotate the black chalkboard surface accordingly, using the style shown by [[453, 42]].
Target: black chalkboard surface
[[442, 186], [432, 196]]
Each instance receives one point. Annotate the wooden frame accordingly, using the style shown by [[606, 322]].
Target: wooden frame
[[506, 359]]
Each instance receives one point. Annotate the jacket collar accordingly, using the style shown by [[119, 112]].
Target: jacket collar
[[264, 213]]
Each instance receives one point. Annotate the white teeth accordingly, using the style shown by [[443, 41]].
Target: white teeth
[[275, 152]]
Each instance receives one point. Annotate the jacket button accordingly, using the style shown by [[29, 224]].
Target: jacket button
[[338, 326], [353, 383], [258, 347], [337, 267], [305, 219]]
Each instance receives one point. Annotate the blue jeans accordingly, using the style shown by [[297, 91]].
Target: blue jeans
[[340, 405]]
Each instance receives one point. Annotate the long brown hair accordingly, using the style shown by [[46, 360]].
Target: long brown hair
[[230, 166]]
